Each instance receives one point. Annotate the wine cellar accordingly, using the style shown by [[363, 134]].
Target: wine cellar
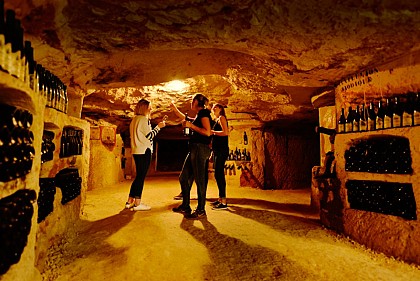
[[322, 107], [376, 186]]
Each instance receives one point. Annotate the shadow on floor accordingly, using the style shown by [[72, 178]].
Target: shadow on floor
[[300, 210], [96, 247], [233, 259]]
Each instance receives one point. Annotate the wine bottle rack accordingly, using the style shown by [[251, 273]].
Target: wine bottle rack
[[16, 211], [379, 154], [71, 142], [16, 142], [70, 183], [46, 198], [47, 146], [388, 198]]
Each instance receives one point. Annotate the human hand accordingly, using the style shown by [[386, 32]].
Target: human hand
[[172, 105], [186, 123], [162, 124]]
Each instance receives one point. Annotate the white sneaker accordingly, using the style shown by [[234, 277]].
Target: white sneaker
[[141, 207]]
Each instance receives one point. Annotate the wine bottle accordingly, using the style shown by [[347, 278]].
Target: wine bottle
[[380, 115], [29, 65], [397, 116], [389, 112], [19, 51], [79, 139], [187, 130], [372, 117], [363, 119], [66, 99], [230, 155], [407, 117], [2, 34], [349, 121], [342, 122], [9, 35], [417, 110], [356, 120], [245, 138]]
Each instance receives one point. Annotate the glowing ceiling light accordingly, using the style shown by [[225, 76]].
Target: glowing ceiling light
[[177, 86]]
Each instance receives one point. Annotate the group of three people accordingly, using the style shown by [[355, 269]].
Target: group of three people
[[208, 137]]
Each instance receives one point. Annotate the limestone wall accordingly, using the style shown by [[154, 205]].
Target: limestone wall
[[289, 158], [105, 157], [59, 223]]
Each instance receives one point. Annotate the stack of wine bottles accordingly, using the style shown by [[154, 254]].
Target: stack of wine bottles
[[71, 142], [46, 196], [16, 213], [239, 155], [47, 146], [394, 112], [389, 198], [385, 154], [16, 138], [70, 183], [17, 59]]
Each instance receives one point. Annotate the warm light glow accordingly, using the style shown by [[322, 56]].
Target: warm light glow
[[176, 86]]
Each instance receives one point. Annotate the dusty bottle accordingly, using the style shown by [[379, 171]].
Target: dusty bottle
[[380, 115], [407, 116], [397, 115], [349, 121], [342, 122], [417, 110], [371, 117], [356, 120], [245, 139], [363, 119], [389, 112]]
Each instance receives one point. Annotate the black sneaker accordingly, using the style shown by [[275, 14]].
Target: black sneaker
[[178, 197], [181, 209], [196, 215], [221, 206], [215, 203]]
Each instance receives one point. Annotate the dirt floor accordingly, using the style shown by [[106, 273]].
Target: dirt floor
[[264, 235]]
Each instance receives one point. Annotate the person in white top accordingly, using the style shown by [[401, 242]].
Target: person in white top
[[141, 140]]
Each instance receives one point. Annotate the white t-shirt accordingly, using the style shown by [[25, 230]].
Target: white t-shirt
[[141, 134]]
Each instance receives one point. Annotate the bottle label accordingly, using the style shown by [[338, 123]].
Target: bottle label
[[416, 118], [379, 123], [349, 127], [396, 122], [371, 125], [341, 128], [407, 119], [363, 125], [387, 122], [356, 126]]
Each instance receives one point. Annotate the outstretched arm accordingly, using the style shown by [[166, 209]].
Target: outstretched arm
[[177, 111]]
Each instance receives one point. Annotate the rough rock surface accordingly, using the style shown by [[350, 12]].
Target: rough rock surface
[[266, 58]]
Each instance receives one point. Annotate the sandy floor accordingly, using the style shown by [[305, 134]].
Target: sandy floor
[[265, 235]]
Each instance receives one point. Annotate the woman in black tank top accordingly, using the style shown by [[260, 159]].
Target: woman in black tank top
[[195, 166], [220, 146]]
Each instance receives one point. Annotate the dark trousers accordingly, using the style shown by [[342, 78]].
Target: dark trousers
[[220, 158], [142, 162], [195, 169]]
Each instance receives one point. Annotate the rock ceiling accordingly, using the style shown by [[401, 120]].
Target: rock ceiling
[[260, 57]]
